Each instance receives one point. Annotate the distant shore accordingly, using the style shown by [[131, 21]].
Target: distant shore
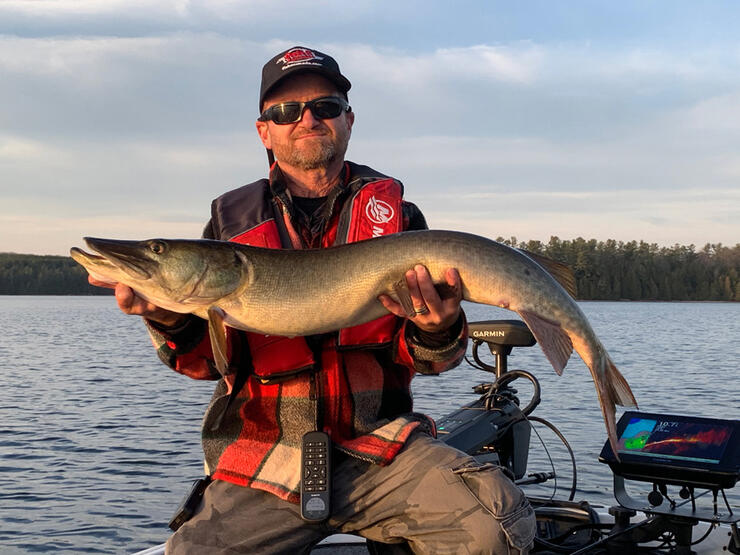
[[603, 270]]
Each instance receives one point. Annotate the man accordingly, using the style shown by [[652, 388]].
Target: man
[[392, 481]]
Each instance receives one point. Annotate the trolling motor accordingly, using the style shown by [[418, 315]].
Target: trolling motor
[[494, 428]]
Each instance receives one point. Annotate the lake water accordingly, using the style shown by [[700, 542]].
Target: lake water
[[99, 441]]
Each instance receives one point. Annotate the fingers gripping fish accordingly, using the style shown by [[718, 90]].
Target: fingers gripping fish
[[305, 292]]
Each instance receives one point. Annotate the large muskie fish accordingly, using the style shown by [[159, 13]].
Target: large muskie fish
[[304, 292]]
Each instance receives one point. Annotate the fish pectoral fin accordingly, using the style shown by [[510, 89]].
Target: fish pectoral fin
[[562, 273], [217, 333], [552, 338], [401, 289]]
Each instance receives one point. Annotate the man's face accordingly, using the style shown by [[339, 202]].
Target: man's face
[[311, 143]]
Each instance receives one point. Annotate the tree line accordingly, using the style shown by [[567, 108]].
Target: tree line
[[640, 271], [29, 274], [604, 270]]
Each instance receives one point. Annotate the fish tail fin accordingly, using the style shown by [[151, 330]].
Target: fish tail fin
[[620, 390], [612, 390], [610, 419], [553, 340]]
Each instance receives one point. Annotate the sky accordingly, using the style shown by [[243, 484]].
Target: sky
[[530, 119]]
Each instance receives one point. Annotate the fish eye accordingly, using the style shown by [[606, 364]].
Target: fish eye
[[157, 247]]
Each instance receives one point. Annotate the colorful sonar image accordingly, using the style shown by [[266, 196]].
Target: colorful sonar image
[[675, 439]]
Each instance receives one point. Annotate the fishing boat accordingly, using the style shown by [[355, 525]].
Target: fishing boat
[[686, 462]]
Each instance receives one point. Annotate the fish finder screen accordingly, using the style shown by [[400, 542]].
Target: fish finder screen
[[674, 439]]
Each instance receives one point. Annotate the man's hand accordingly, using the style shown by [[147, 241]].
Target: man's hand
[[434, 312], [130, 303]]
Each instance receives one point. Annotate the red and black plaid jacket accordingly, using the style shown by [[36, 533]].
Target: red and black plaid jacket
[[360, 396]]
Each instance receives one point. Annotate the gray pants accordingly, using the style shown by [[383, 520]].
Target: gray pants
[[432, 496]]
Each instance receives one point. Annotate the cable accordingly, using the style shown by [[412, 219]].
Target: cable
[[574, 482], [549, 458], [578, 527], [473, 363], [542, 442], [555, 543], [610, 537], [711, 528], [492, 395], [552, 546]]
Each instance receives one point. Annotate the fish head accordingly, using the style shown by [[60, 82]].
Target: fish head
[[168, 272]]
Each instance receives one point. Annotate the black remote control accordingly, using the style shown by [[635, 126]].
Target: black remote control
[[189, 503], [315, 477]]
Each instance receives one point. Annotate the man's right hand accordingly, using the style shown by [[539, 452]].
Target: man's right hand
[[130, 303]]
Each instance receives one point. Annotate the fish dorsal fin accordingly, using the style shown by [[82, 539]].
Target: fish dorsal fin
[[217, 332], [562, 273], [552, 338], [401, 289]]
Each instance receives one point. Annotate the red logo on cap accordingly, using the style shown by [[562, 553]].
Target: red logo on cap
[[297, 55]]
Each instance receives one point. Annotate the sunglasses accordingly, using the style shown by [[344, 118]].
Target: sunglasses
[[327, 107]]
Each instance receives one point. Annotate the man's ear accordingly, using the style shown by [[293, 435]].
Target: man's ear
[[263, 130]]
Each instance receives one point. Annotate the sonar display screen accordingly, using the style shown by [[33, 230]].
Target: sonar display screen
[[675, 439]]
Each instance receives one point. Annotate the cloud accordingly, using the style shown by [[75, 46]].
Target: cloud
[[640, 215], [569, 91], [516, 63], [119, 126], [715, 114], [120, 178], [64, 11], [21, 151], [257, 20], [107, 86], [56, 235], [188, 82]]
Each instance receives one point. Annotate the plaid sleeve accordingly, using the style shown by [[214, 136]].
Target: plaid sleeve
[[186, 349], [432, 355]]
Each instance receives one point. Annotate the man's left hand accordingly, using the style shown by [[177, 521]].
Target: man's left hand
[[435, 312]]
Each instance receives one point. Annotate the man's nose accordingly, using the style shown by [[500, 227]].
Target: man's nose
[[308, 119]]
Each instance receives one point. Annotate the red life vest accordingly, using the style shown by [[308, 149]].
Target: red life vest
[[374, 209]]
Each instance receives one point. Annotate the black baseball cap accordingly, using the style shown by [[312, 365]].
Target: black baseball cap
[[301, 59]]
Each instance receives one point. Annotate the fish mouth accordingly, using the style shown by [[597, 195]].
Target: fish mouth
[[78, 255], [128, 256], [97, 266]]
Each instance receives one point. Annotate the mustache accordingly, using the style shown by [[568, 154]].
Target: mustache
[[319, 132], [320, 128]]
